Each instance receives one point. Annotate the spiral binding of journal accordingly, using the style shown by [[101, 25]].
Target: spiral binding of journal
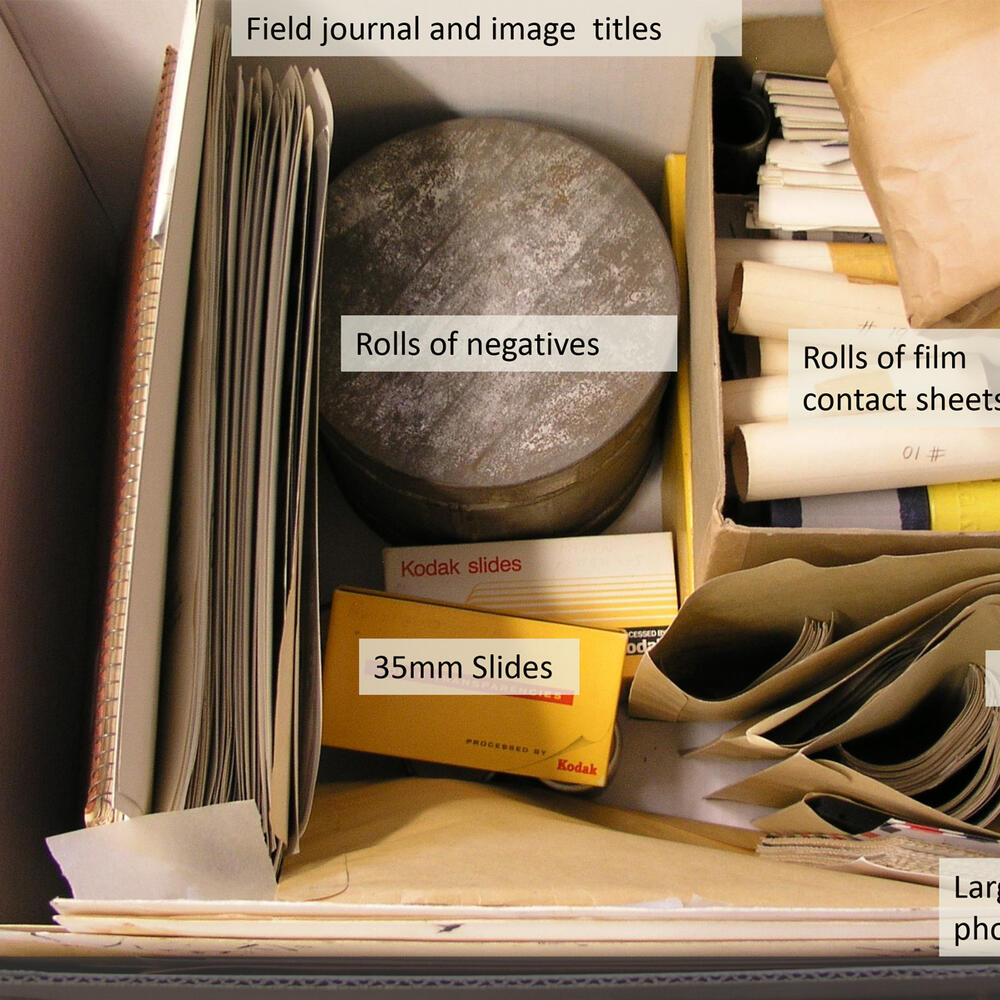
[[139, 329]]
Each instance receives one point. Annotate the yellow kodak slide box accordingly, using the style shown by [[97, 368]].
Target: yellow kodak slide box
[[480, 689]]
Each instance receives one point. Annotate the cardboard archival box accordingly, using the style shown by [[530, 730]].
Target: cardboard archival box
[[422, 825], [720, 545]]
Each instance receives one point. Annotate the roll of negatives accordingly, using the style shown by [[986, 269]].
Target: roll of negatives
[[489, 217]]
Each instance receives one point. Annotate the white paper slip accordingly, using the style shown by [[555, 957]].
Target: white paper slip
[[805, 208], [212, 853], [776, 85], [799, 113], [809, 156], [785, 177]]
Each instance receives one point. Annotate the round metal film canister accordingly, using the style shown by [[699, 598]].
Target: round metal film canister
[[489, 217]]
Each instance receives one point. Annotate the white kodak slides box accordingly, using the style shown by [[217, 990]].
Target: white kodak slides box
[[609, 581]]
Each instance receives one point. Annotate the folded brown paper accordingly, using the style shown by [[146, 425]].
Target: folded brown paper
[[918, 84], [786, 783], [808, 815], [963, 640], [713, 662], [420, 840]]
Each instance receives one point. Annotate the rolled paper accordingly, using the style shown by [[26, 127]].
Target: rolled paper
[[973, 506], [857, 260], [772, 461], [773, 356], [753, 400], [768, 300], [887, 510]]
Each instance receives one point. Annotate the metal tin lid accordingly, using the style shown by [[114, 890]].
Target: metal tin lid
[[487, 217]]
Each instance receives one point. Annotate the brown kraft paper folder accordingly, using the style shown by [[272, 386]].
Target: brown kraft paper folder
[[700, 669], [427, 840], [804, 817], [789, 781], [962, 641], [917, 83]]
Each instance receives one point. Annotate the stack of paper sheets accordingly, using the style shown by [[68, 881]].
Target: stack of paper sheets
[[241, 696], [893, 849], [808, 181], [811, 185], [805, 106]]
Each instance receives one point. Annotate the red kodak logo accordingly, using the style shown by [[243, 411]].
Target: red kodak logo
[[577, 767]]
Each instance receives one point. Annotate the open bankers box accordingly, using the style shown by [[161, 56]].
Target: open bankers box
[[722, 539], [386, 864]]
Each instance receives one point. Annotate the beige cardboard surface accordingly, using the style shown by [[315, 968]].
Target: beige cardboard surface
[[426, 840], [333, 926], [490, 931], [704, 667], [795, 45], [708, 467], [874, 938], [917, 83], [734, 546]]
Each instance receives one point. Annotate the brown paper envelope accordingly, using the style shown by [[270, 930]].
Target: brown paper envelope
[[418, 840], [968, 721], [675, 828], [801, 817], [838, 662], [700, 669], [783, 784], [751, 738], [918, 85], [964, 641]]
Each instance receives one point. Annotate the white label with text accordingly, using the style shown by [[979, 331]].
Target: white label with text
[[508, 343], [520, 667], [894, 378], [511, 28], [969, 901]]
